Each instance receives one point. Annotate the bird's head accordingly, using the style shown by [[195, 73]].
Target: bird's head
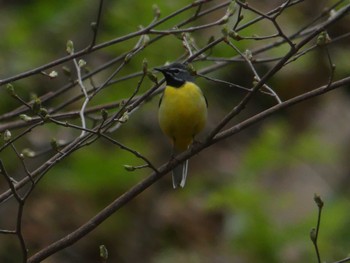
[[176, 74]]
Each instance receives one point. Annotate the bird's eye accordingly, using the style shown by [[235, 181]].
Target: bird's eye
[[176, 70]]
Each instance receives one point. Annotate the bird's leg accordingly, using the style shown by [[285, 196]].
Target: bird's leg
[[174, 152], [195, 141]]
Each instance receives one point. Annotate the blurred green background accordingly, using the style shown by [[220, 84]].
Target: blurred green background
[[247, 199]]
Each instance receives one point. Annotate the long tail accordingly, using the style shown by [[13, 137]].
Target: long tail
[[180, 174]]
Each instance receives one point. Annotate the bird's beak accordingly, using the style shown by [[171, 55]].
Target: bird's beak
[[161, 69]]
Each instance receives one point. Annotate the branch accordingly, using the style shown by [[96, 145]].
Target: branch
[[89, 50], [95, 25], [314, 231], [165, 168], [264, 114], [103, 124]]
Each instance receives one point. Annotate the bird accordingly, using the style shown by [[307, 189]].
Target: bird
[[182, 113]]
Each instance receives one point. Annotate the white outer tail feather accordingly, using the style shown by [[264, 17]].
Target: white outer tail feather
[[180, 175]]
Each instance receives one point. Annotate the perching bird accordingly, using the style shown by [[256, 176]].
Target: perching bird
[[182, 113]]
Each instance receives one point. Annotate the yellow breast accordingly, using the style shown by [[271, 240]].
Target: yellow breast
[[182, 113]]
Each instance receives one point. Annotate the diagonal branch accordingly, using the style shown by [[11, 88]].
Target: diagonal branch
[[129, 195]]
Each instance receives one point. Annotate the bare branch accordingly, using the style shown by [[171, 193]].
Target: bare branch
[[164, 169], [95, 25], [96, 123]]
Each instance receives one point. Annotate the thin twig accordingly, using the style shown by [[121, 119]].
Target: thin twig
[[344, 260], [99, 46], [96, 25], [257, 78], [89, 226], [101, 125], [84, 91], [20, 202]]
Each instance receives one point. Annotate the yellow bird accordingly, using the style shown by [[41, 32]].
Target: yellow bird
[[182, 113]]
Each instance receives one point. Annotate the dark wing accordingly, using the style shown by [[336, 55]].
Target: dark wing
[[160, 100], [206, 101]]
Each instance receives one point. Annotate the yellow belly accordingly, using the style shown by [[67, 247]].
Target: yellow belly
[[182, 114]]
